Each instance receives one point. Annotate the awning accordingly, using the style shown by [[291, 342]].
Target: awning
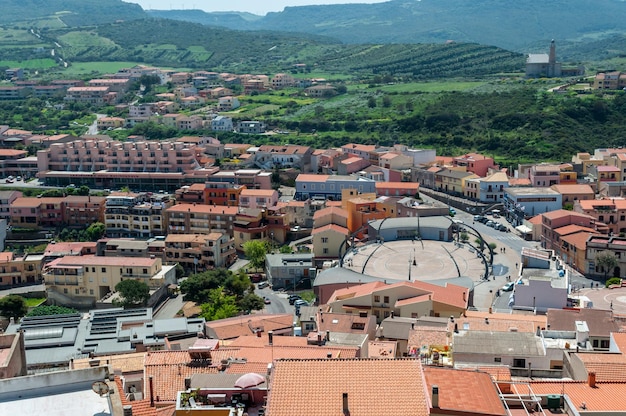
[[524, 229]]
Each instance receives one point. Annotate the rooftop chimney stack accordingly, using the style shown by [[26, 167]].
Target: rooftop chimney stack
[[346, 410], [327, 335], [319, 339], [392, 314], [151, 392], [456, 328], [591, 379], [270, 335], [435, 398], [128, 410]]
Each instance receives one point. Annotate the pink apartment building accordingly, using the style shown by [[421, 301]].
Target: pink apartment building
[[258, 198], [475, 163]]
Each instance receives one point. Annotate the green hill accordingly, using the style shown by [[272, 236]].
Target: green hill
[[512, 24]]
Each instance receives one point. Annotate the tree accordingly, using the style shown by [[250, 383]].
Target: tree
[[464, 237], [606, 261], [45, 310], [219, 305], [237, 284], [95, 231], [13, 306], [252, 302], [255, 251], [197, 287], [180, 271], [133, 292]]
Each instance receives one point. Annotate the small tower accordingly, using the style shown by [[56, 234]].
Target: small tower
[[552, 57]]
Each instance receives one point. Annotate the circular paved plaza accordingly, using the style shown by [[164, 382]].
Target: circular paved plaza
[[431, 260]]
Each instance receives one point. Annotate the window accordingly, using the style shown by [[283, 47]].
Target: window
[[497, 359], [325, 251], [519, 362], [595, 343], [145, 271], [91, 291], [386, 299], [604, 343], [324, 240], [376, 298], [76, 291], [104, 270]]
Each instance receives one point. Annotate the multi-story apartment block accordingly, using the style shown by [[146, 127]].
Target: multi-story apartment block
[[559, 223], [609, 211], [119, 85], [85, 279], [520, 203], [282, 80], [142, 110], [614, 80], [489, 189], [6, 199], [98, 155], [82, 211], [330, 186], [109, 123], [37, 212], [91, 95], [200, 219], [287, 156], [251, 127], [135, 215], [258, 198], [452, 181], [475, 163], [573, 193], [227, 103], [189, 123], [222, 123], [250, 178], [200, 252], [364, 151], [544, 174], [19, 270]]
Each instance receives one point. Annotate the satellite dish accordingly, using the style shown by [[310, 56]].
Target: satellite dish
[[100, 387]]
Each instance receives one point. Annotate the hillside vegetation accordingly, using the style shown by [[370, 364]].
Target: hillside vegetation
[[69, 12], [515, 25], [177, 44]]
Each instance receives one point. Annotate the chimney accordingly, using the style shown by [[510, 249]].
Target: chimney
[[270, 335], [591, 379], [435, 398], [392, 314], [538, 331], [151, 392], [327, 335], [128, 410], [329, 355], [456, 328], [319, 339], [346, 410], [412, 325]]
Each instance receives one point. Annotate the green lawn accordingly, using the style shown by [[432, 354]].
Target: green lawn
[[424, 86], [30, 64], [33, 302], [78, 68]]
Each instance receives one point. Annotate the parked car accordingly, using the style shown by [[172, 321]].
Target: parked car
[[508, 287], [478, 217], [267, 301], [262, 285], [490, 224], [300, 302], [256, 277], [19, 178], [484, 220], [293, 298]]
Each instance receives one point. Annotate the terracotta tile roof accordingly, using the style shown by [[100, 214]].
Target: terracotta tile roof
[[603, 397], [562, 213], [497, 372], [573, 189], [579, 240], [489, 323], [537, 320], [519, 182], [311, 177], [620, 341], [536, 220], [342, 322], [334, 227], [333, 204], [140, 407], [572, 229], [263, 341], [330, 211], [127, 363], [465, 391], [608, 367], [360, 147], [362, 380], [238, 326], [427, 335], [28, 202]]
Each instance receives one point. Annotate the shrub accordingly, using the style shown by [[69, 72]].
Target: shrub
[[613, 281]]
